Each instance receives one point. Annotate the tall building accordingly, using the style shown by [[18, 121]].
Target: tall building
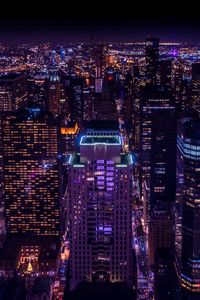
[[152, 56], [164, 72], [54, 95], [31, 173], [181, 84], [99, 62], [88, 103], [13, 92], [76, 97], [105, 107], [52, 57], [128, 99], [187, 208], [196, 86], [156, 104], [37, 89], [62, 54], [158, 159], [99, 197]]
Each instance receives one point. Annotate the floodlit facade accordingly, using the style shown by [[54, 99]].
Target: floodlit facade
[[99, 197]]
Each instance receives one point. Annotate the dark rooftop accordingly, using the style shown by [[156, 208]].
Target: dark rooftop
[[102, 125], [101, 291]]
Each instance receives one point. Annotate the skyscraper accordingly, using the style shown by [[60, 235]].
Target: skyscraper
[[54, 95], [164, 72], [156, 104], [187, 207], [181, 84], [105, 107], [31, 172], [152, 56], [158, 148], [99, 197], [99, 61], [76, 97], [13, 92], [196, 86]]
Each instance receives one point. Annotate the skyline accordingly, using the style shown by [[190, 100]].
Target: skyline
[[99, 153]]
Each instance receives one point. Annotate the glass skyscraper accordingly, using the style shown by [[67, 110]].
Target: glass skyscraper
[[188, 207]]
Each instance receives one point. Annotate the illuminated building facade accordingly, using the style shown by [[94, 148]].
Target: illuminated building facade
[[152, 56], [128, 99], [13, 92], [196, 86], [164, 72], [28, 257], [54, 95], [188, 208], [156, 105], [37, 90], [76, 98], [181, 84], [158, 148], [88, 99], [31, 173], [69, 135], [99, 197], [105, 107], [99, 61]]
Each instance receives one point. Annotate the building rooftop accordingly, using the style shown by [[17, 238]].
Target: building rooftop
[[102, 125], [91, 140], [101, 291], [125, 160]]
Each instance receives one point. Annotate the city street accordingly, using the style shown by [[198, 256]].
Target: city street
[[144, 275]]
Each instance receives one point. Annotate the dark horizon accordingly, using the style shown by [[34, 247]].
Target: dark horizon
[[74, 26]]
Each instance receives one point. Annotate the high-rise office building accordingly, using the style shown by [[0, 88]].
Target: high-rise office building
[[128, 99], [99, 197], [54, 95], [196, 86], [31, 172], [105, 107], [76, 97], [181, 84], [62, 54], [158, 158], [152, 56], [13, 92], [88, 103], [164, 72], [52, 57], [187, 231], [99, 62], [156, 103], [37, 89]]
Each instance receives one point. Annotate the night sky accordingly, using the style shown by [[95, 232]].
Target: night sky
[[109, 22]]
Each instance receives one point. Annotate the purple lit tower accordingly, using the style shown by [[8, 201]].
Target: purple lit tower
[[99, 197]]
